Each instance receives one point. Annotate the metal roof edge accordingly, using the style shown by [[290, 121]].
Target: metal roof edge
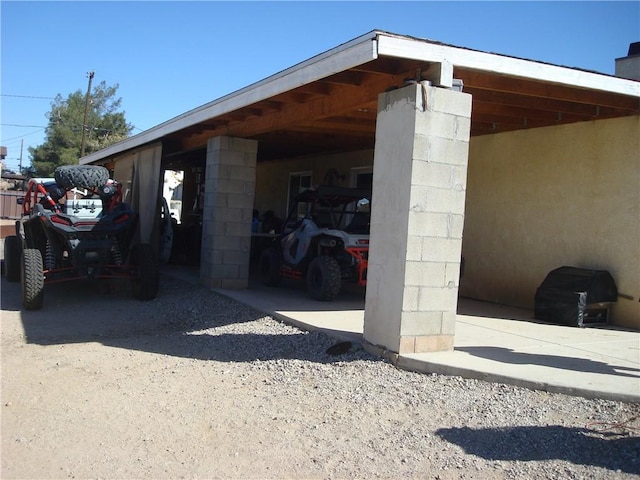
[[429, 51], [347, 55]]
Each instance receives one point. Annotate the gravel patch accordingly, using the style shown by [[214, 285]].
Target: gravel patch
[[196, 385]]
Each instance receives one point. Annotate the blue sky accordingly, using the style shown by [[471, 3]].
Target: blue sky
[[169, 57]]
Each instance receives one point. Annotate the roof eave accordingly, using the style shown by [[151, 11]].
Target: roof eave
[[348, 55], [405, 47], [364, 49]]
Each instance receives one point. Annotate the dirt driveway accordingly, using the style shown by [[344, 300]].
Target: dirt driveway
[[195, 385]]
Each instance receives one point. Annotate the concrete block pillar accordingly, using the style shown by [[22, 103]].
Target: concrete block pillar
[[228, 209], [419, 183]]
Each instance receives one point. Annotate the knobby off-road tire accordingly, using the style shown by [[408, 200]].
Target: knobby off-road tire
[[11, 258], [323, 278], [32, 279], [81, 176], [269, 267], [146, 281]]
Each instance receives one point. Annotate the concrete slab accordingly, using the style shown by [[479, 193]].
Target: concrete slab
[[492, 343], [592, 362]]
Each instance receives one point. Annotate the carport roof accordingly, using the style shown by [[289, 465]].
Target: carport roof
[[329, 102]]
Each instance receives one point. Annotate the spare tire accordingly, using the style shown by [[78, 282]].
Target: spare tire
[[81, 176]]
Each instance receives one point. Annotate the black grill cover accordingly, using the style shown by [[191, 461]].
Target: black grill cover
[[566, 293]]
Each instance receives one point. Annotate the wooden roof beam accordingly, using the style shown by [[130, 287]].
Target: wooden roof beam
[[316, 88], [512, 121], [479, 80], [343, 100], [291, 97], [339, 125], [487, 108], [348, 77], [535, 103], [392, 66], [268, 105]]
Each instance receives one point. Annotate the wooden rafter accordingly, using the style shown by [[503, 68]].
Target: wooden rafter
[[341, 109]]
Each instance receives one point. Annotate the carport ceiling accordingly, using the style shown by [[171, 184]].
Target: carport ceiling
[[338, 112]]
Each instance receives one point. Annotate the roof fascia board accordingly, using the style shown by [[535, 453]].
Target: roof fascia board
[[351, 54], [404, 47]]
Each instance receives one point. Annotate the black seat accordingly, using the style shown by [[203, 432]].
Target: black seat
[[359, 223]]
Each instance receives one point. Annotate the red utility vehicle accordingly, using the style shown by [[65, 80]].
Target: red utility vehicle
[[75, 226]]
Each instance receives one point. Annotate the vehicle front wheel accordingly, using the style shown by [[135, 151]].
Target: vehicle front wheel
[[269, 266], [12, 258], [146, 282], [323, 278], [32, 279]]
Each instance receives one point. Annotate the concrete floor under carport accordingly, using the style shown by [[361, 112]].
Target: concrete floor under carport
[[493, 342]]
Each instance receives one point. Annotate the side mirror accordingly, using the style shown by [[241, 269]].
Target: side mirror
[[20, 200]]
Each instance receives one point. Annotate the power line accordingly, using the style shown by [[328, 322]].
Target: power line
[[75, 128], [5, 140], [25, 126], [27, 96]]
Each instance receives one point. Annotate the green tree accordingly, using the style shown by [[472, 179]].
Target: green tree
[[63, 142]]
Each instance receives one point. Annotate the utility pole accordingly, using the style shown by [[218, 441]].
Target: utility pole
[[86, 112], [20, 167]]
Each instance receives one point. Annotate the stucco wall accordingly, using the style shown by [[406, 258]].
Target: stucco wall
[[272, 178], [542, 198]]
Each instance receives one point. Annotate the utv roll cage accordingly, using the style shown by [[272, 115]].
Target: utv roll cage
[[329, 208]]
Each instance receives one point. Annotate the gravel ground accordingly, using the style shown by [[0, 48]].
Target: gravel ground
[[195, 385]]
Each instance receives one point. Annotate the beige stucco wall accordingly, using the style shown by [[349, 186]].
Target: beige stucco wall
[[272, 178], [542, 198]]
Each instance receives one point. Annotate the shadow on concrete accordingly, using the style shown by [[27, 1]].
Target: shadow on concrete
[[580, 446], [469, 306], [507, 355], [293, 295]]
